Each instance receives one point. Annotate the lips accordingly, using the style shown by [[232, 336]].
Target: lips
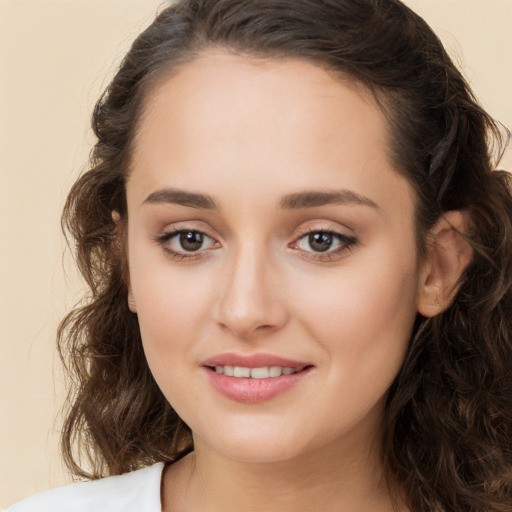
[[253, 378], [252, 361]]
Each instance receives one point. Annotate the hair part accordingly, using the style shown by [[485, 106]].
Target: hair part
[[448, 425]]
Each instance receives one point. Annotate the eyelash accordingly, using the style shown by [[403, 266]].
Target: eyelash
[[347, 243], [164, 239]]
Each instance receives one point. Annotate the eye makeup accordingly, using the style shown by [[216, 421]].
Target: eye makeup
[[183, 243]]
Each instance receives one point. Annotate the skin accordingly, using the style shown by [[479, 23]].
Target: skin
[[248, 133]]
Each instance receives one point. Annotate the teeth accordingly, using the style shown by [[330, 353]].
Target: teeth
[[264, 372], [275, 371], [259, 373], [240, 371]]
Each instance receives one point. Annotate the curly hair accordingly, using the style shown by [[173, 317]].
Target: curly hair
[[448, 419]]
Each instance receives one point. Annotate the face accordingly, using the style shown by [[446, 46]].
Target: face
[[272, 255]]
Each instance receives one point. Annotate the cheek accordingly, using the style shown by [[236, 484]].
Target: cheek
[[170, 311], [172, 314], [172, 303], [364, 309]]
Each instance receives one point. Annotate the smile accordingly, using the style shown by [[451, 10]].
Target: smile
[[265, 372], [256, 378]]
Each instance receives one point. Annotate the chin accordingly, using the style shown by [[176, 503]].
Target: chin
[[260, 444]]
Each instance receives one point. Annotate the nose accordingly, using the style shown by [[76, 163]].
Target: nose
[[251, 300]]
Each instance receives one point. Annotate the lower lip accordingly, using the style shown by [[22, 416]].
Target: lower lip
[[252, 391]]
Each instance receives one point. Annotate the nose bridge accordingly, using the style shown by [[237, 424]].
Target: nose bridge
[[250, 300]]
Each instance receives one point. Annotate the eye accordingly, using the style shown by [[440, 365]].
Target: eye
[[190, 241], [320, 241], [324, 245], [186, 243]]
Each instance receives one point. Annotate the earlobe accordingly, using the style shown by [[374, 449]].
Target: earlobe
[[448, 256], [119, 236], [131, 301], [116, 217]]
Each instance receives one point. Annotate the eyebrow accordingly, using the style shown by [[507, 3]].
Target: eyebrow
[[296, 201], [312, 199], [182, 198]]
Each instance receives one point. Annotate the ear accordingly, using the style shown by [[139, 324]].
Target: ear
[[448, 256], [131, 299], [116, 218]]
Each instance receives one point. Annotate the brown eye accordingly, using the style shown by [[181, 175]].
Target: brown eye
[[324, 245], [184, 244], [191, 241], [321, 241]]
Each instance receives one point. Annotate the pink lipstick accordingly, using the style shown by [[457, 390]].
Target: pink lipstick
[[253, 378]]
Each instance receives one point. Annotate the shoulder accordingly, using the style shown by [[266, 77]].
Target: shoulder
[[137, 491]]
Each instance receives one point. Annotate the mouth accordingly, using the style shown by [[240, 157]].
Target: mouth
[[255, 378], [263, 372]]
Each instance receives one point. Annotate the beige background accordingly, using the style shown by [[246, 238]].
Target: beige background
[[55, 57]]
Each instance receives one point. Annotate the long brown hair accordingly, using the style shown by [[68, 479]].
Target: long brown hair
[[448, 422]]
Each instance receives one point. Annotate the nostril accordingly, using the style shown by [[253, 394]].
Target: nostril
[[265, 327]]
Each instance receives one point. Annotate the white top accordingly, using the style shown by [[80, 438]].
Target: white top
[[138, 491]]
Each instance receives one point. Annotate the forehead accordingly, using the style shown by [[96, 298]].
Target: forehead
[[225, 118], [221, 89]]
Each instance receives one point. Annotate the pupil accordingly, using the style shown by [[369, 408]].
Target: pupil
[[320, 242], [191, 240]]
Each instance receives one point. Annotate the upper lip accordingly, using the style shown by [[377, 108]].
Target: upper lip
[[252, 361]]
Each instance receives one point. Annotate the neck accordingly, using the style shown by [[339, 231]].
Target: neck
[[330, 478]]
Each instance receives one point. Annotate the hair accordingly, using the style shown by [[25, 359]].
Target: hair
[[447, 435]]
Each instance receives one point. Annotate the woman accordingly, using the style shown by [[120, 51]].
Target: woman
[[299, 256]]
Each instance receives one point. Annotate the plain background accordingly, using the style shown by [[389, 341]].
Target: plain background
[[55, 58]]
